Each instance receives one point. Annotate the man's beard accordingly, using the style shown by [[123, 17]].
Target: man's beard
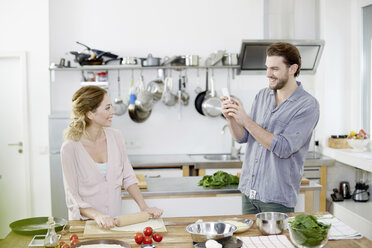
[[281, 83]]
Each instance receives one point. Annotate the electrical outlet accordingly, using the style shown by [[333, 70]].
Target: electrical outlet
[[133, 143]]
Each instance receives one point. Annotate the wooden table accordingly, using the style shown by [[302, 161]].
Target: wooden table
[[178, 237]]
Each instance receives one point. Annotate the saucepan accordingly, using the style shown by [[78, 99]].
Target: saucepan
[[230, 59], [150, 61], [140, 105], [212, 103]]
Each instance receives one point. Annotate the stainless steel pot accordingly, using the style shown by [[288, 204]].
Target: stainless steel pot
[[150, 61], [129, 61], [230, 59], [192, 60]]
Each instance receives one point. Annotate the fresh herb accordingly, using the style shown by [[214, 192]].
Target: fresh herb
[[307, 231], [218, 180]]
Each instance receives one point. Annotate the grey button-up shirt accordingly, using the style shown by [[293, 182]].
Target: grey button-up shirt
[[275, 174]]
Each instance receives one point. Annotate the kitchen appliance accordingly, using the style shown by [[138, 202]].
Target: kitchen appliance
[[360, 193], [252, 55], [345, 190]]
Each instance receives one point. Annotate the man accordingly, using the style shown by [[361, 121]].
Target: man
[[277, 132]]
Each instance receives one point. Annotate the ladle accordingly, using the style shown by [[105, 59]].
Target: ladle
[[119, 106]]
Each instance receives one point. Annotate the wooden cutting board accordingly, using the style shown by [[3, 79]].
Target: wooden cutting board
[[142, 184], [305, 181], [92, 230]]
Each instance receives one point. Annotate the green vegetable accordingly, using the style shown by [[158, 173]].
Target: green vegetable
[[307, 231], [218, 180]]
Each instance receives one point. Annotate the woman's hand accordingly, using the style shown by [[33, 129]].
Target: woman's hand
[[154, 212], [105, 221]]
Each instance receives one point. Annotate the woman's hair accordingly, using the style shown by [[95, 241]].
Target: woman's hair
[[86, 99], [288, 51]]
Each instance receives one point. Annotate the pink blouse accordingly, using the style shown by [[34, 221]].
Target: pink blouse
[[86, 186]]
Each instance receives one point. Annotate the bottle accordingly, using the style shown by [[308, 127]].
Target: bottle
[[51, 239]]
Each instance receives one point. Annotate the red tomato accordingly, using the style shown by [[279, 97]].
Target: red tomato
[[61, 243], [65, 246], [74, 236], [157, 237], [138, 238], [147, 231], [147, 240], [74, 241]]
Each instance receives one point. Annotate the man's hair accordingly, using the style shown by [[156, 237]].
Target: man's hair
[[289, 52]]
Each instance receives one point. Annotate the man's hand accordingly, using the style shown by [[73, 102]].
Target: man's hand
[[105, 221], [225, 107], [233, 109]]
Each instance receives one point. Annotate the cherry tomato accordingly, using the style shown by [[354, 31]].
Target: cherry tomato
[[138, 238], [74, 236], [74, 241], [61, 243], [157, 237], [65, 246], [147, 231], [147, 240]]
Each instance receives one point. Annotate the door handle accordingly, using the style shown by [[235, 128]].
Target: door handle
[[20, 144], [16, 144]]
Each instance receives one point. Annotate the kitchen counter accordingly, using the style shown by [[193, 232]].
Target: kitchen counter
[[185, 186], [176, 235], [198, 161]]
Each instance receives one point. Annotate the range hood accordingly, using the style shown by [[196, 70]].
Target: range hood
[[252, 55]]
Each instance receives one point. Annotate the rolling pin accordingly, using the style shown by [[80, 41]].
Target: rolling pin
[[128, 219]]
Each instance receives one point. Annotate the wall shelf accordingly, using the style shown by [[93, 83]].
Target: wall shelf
[[137, 67]]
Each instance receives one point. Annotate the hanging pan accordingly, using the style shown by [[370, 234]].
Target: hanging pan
[[200, 97]]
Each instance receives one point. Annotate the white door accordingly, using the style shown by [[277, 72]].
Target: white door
[[14, 166]]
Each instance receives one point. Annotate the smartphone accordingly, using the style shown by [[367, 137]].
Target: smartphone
[[225, 92]]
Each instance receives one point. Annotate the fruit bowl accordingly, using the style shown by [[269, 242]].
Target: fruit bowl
[[359, 145]]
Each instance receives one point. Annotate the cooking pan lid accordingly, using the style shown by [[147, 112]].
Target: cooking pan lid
[[37, 225]]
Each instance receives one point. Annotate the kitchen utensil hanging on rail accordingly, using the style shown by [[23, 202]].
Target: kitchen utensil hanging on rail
[[212, 103], [119, 106], [200, 97]]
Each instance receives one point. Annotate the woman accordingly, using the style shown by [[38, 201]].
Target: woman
[[95, 163]]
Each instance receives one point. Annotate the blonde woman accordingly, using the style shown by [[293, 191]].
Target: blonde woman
[[95, 163]]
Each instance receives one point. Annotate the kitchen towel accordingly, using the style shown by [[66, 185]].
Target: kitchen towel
[[339, 230], [277, 241]]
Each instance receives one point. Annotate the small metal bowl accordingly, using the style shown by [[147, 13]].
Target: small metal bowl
[[203, 231], [270, 223]]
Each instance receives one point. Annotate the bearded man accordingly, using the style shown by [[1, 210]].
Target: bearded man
[[277, 132]]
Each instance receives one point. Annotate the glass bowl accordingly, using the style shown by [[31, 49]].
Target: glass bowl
[[359, 145], [308, 239]]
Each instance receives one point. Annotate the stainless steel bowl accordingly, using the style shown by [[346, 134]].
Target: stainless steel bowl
[[203, 231], [271, 222]]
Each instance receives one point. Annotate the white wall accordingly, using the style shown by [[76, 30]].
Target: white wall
[[134, 28], [24, 27]]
